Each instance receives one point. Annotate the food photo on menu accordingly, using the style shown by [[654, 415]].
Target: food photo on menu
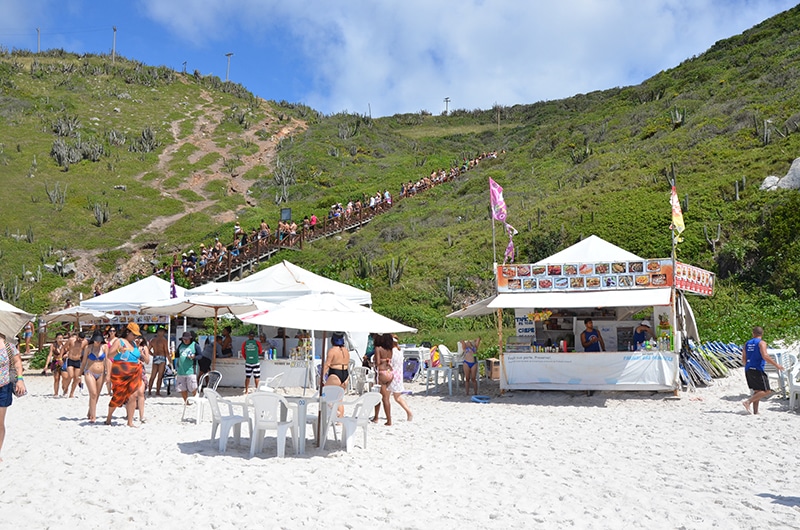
[[570, 270]]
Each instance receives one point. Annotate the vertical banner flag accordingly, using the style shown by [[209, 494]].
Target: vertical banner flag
[[677, 215], [173, 292], [510, 251], [499, 211]]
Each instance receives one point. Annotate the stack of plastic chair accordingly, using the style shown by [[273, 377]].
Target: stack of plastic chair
[[794, 386], [445, 368], [266, 417], [224, 422]]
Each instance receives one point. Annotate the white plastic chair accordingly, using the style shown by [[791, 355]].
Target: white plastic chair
[[270, 384], [209, 380], [445, 369], [794, 386], [266, 417], [331, 398], [363, 379], [225, 422], [364, 407]]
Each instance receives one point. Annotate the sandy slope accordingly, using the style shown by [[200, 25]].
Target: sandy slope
[[529, 459]]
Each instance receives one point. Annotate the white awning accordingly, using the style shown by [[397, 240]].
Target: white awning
[[561, 300]]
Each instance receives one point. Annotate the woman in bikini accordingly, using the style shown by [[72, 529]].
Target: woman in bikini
[[337, 364], [55, 360], [396, 387], [470, 348], [94, 371], [126, 372], [383, 363]]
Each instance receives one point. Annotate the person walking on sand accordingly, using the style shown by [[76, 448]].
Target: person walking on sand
[[27, 334], [185, 380], [754, 358], [396, 387], [9, 357], [55, 359], [94, 370], [74, 347], [126, 372], [160, 350]]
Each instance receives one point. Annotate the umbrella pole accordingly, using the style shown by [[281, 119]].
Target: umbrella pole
[[321, 376], [214, 354]]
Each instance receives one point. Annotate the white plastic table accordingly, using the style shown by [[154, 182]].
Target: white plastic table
[[302, 406]]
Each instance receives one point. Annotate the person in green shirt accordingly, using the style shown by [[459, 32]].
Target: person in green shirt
[[185, 380], [251, 351]]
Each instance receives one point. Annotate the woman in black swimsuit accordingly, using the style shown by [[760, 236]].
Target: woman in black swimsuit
[[337, 363]]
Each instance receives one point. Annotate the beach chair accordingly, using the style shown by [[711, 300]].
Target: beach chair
[[224, 422], [412, 366], [360, 417], [332, 397], [363, 379], [266, 417]]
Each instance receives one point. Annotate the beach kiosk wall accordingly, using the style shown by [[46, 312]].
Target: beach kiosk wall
[[598, 280]]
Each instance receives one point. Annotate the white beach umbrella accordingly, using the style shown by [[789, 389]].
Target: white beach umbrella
[[77, 314], [325, 312], [12, 319], [202, 306]]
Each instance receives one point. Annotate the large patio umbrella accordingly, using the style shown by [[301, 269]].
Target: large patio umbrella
[[202, 306], [325, 312], [77, 314], [12, 319]]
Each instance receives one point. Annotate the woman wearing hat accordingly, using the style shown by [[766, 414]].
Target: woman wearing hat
[[126, 372], [94, 370]]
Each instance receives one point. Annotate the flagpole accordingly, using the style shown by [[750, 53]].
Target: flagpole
[[494, 245]]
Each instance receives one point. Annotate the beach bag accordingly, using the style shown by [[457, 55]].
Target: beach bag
[[385, 376]]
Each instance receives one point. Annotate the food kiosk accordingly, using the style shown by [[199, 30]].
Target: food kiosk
[[591, 279]]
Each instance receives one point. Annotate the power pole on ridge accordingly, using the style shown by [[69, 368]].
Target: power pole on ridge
[[228, 69]]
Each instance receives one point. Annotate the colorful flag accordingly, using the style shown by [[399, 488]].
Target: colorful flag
[[173, 292], [677, 215], [499, 211], [510, 253]]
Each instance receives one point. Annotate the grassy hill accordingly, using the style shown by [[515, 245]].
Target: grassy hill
[[593, 163]]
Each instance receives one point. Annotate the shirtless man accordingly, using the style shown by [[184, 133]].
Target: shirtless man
[[159, 348], [74, 348]]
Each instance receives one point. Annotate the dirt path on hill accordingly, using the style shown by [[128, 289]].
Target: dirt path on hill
[[208, 118]]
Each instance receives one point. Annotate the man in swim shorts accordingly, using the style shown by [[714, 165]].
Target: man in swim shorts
[[754, 358], [160, 350], [74, 348], [185, 380], [252, 352]]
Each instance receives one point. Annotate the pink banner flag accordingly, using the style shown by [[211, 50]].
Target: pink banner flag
[[499, 211], [510, 250]]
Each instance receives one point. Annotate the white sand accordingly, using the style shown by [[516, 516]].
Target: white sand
[[612, 460]]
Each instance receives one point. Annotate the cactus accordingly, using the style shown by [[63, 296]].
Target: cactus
[[713, 242], [146, 143], [66, 126], [678, 117], [449, 291], [394, 271], [29, 235], [283, 178], [56, 196], [364, 267], [101, 213]]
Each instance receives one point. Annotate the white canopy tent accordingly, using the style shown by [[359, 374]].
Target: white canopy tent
[[284, 281], [130, 297]]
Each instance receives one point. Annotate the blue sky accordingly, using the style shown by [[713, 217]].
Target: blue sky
[[388, 57]]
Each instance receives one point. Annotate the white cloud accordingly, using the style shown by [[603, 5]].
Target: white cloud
[[407, 56]]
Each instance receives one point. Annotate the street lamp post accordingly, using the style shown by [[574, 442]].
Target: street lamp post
[[228, 69]]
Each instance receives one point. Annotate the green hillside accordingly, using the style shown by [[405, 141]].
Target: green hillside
[[595, 163]]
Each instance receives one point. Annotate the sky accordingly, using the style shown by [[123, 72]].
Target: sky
[[383, 57]]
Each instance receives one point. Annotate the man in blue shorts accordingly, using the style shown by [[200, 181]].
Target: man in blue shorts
[[754, 358]]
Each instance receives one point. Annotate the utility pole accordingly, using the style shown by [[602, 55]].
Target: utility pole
[[114, 45], [228, 70], [446, 106], [184, 67], [38, 40]]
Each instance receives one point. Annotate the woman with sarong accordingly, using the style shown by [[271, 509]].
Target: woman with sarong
[[126, 372]]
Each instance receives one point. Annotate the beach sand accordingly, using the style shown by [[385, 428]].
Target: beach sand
[[526, 459]]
